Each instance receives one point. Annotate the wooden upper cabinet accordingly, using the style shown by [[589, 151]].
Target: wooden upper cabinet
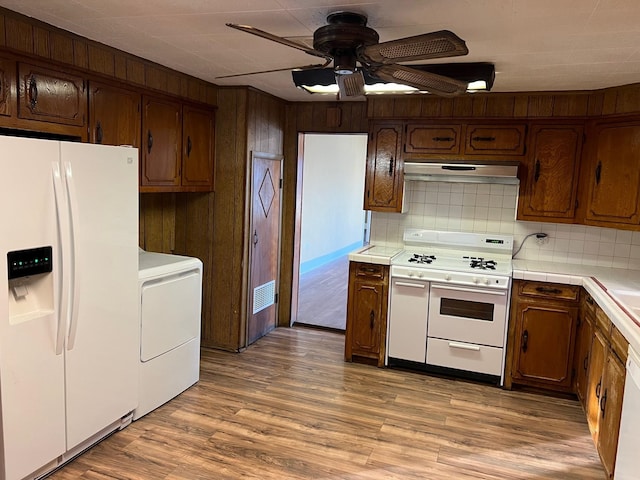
[[7, 87], [383, 181], [432, 139], [614, 179], [161, 143], [549, 176], [495, 139], [51, 96], [114, 115], [198, 127]]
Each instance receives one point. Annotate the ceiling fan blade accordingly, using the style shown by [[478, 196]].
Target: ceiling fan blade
[[280, 40], [436, 84], [304, 67], [350, 85], [420, 47]]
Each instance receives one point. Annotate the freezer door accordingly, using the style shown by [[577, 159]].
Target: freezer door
[[31, 373], [103, 344]]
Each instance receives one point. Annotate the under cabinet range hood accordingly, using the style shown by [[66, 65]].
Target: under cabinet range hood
[[459, 172]]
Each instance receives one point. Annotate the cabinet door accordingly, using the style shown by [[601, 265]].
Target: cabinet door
[[610, 411], [114, 115], [161, 140], [550, 182], [433, 139], [51, 96], [614, 195], [197, 147], [594, 383], [383, 187], [581, 363], [544, 343], [495, 140], [7, 87]]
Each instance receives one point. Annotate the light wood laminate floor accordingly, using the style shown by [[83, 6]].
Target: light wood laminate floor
[[322, 297], [289, 407]]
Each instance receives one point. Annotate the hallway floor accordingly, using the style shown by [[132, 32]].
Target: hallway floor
[[322, 298]]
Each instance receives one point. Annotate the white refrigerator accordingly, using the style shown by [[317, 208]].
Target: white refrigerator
[[69, 329]]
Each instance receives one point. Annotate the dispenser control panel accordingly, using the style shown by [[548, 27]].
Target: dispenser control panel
[[22, 263]]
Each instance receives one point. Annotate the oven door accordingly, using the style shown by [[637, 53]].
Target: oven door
[[468, 314]]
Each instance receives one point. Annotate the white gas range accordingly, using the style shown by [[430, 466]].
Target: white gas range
[[449, 303]]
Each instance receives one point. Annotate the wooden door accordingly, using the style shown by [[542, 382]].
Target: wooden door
[[51, 96], [114, 115], [161, 140], [550, 174], [197, 147], [7, 87], [594, 384], [610, 411], [264, 244], [544, 343], [615, 175], [583, 346], [383, 188]]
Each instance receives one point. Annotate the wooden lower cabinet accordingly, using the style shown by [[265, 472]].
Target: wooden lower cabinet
[[584, 336], [542, 334], [367, 313]]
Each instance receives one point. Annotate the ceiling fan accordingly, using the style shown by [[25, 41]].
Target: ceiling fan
[[354, 48]]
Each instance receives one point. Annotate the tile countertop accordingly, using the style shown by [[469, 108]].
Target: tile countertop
[[374, 254], [597, 281]]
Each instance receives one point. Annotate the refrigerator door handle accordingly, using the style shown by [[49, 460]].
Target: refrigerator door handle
[[62, 222], [75, 277]]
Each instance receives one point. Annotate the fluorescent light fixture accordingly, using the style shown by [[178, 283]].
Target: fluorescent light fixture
[[322, 81]]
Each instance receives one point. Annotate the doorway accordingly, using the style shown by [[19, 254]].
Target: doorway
[[332, 224]]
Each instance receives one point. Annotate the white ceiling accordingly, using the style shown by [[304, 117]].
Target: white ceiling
[[535, 44]]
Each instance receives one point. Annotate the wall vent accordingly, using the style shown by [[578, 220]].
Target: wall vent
[[264, 296]]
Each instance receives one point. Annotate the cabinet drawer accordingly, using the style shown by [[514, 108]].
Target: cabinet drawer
[[603, 322], [370, 270], [619, 344], [495, 140], [436, 139], [588, 304], [552, 291]]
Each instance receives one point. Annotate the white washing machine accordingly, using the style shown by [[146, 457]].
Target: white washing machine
[[170, 288]]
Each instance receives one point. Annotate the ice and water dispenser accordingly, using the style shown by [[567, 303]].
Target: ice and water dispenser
[[30, 283]]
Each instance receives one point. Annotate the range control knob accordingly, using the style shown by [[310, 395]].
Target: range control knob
[[447, 277], [486, 281], [420, 275], [411, 274], [475, 280]]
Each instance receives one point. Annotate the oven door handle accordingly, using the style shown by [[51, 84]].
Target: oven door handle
[[414, 285], [501, 293]]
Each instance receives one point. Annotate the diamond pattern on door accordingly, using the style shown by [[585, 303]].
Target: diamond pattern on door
[[267, 192]]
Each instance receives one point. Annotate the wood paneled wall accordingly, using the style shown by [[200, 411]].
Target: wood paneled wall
[[21, 34]]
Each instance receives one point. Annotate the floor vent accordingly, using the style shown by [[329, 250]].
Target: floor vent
[[264, 296]]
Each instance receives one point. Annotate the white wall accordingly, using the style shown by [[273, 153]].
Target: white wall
[[332, 193], [492, 208]]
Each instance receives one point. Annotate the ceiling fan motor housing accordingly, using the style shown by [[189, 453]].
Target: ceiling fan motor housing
[[344, 34]]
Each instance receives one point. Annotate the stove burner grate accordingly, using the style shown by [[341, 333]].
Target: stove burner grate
[[481, 264], [422, 258]]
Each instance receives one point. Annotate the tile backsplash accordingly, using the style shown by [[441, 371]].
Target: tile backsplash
[[491, 208]]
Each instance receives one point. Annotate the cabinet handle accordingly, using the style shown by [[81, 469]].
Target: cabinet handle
[[149, 141], [483, 139], [443, 139], [536, 175], [98, 133], [598, 173], [391, 161], [548, 290], [590, 300], [603, 402], [189, 146], [585, 363], [33, 92], [525, 341], [598, 387], [372, 318], [255, 237]]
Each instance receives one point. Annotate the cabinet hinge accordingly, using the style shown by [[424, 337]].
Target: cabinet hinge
[[573, 373], [275, 298], [584, 138], [367, 193], [280, 183]]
